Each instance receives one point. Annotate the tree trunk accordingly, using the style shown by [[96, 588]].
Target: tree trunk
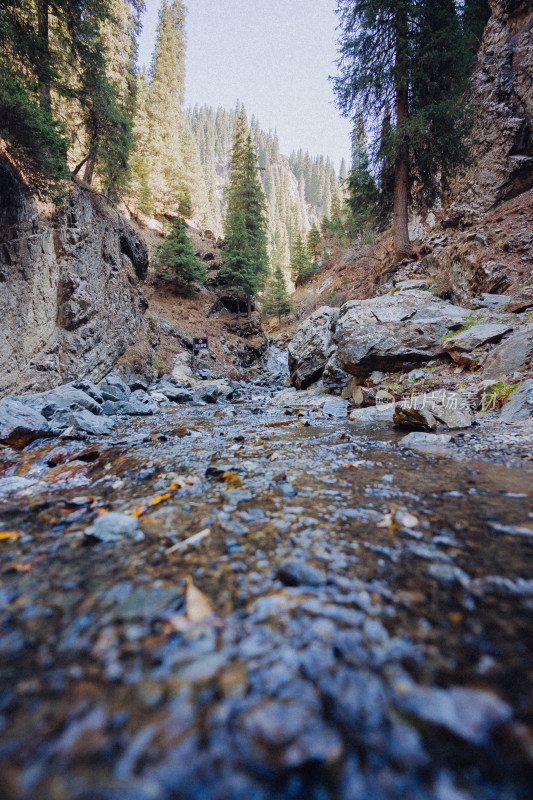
[[90, 165], [402, 244], [249, 301], [45, 91]]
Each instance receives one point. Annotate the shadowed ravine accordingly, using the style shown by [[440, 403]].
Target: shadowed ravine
[[372, 633]]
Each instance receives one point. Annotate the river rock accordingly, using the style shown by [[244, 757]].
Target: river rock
[[299, 573], [396, 329], [174, 392], [312, 346], [309, 398], [119, 383], [512, 355], [521, 301], [519, 406], [368, 416], [470, 714], [81, 421], [427, 412], [89, 388], [335, 407], [20, 423], [113, 527], [64, 397]]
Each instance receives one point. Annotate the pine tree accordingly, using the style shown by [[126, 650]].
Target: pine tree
[[175, 257], [313, 243], [301, 267], [362, 199], [406, 60], [276, 299], [139, 187], [476, 14], [336, 224], [246, 257]]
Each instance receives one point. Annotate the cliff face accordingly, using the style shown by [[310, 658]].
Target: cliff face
[[503, 107], [70, 287]]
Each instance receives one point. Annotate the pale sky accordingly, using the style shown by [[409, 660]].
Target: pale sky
[[274, 56]]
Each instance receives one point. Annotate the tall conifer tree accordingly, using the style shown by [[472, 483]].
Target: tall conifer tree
[[406, 60]]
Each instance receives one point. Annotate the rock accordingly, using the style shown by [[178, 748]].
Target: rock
[[116, 381], [335, 407], [113, 393], [298, 573], [208, 392], [333, 376], [131, 409], [70, 305], [470, 714], [396, 329], [519, 406], [81, 421], [495, 302], [368, 416], [430, 443], [502, 104], [417, 374], [113, 527], [20, 424], [412, 284], [137, 384], [89, 388], [276, 366], [140, 397], [143, 603], [174, 393], [64, 397], [476, 336], [521, 301], [376, 377], [291, 398], [427, 412], [312, 346], [514, 354]]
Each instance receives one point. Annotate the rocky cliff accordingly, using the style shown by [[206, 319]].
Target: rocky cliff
[[502, 100], [70, 287]]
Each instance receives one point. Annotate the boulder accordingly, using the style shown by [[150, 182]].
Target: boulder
[[512, 355], [312, 346], [82, 420], [335, 407], [64, 397], [116, 381], [369, 416], [20, 424], [173, 392], [388, 332], [114, 527], [519, 406], [476, 336], [521, 301], [427, 412], [89, 388], [310, 398]]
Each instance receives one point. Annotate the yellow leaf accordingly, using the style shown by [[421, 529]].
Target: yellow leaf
[[138, 512], [197, 604], [9, 536], [159, 499]]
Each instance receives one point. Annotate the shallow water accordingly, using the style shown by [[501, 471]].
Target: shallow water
[[340, 676]]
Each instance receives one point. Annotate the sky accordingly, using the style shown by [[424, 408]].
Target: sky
[[274, 56]]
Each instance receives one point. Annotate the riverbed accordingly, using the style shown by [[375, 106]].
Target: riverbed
[[304, 610]]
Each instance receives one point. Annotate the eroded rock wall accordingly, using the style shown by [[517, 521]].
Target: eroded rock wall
[[502, 100], [70, 287]]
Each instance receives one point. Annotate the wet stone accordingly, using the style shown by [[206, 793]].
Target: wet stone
[[114, 527], [298, 573]]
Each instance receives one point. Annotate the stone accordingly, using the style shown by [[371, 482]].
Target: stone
[[495, 302], [89, 388], [208, 392], [137, 384], [514, 354], [519, 405], [113, 393], [64, 397], [369, 416], [429, 443], [427, 412], [176, 394], [521, 301], [335, 407], [81, 421], [476, 336], [20, 424], [129, 408], [299, 573], [310, 398], [417, 374], [311, 347], [116, 381], [470, 714], [114, 527], [388, 332], [142, 603]]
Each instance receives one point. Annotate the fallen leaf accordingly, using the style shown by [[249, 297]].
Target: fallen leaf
[[159, 499], [9, 536], [196, 603]]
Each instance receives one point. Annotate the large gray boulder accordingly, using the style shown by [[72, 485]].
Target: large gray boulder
[[476, 336], [312, 346], [387, 332], [520, 404], [20, 424], [66, 397], [513, 354], [428, 412]]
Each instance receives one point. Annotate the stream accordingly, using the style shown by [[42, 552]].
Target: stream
[[300, 608]]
